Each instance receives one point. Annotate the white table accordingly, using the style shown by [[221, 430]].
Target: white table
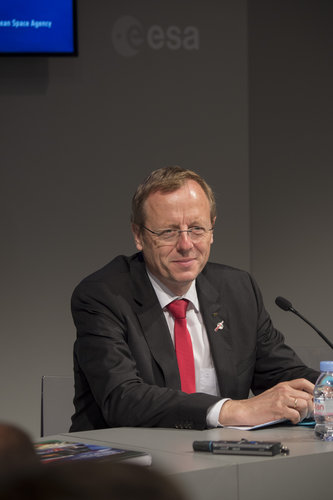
[[306, 473]]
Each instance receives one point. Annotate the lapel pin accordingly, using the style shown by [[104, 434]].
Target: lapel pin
[[219, 326]]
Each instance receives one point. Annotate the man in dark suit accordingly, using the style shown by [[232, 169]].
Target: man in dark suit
[[127, 372]]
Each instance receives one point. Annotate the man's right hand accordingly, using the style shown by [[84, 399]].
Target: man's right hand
[[291, 400]]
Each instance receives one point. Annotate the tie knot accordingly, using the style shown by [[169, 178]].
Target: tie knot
[[178, 308]]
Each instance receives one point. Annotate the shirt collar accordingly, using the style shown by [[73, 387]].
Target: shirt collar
[[165, 296]]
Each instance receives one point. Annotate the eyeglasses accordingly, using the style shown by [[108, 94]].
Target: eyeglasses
[[171, 235]]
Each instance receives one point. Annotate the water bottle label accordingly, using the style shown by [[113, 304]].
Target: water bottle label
[[323, 407]]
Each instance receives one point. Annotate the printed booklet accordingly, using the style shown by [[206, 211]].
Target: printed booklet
[[56, 451]]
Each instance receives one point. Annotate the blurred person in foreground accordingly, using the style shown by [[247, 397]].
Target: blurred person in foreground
[[17, 452], [91, 480], [127, 369]]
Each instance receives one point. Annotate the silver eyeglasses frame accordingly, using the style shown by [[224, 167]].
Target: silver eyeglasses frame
[[173, 234]]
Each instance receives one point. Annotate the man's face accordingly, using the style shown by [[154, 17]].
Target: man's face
[[176, 264]]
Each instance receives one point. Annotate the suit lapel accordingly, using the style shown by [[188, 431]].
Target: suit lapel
[[216, 320], [154, 325], [156, 332]]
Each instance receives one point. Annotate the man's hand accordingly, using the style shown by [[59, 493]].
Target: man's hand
[[292, 400]]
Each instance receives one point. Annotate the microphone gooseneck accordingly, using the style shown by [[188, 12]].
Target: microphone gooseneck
[[285, 305]]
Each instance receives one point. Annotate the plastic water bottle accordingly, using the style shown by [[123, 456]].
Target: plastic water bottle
[[323, 402]]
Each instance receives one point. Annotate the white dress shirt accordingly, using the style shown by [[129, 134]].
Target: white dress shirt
[[205, 375]]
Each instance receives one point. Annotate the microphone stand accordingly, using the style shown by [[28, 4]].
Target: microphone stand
[[285, 305], [328, 342]]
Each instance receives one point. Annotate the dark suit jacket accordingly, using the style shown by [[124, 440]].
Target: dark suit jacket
[[125, 367]]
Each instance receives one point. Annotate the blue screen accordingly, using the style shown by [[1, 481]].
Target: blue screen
[[37, 26]]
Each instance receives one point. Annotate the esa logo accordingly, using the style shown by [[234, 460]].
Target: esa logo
[[129, 37]]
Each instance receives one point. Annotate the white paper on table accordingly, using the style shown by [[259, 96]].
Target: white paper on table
[[254, 427]]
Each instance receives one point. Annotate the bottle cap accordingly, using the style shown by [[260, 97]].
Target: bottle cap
[[326, 366]]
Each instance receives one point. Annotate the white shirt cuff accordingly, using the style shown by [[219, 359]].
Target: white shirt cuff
[[213, 413]]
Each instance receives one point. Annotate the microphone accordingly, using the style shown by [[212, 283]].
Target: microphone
[[287, 306]]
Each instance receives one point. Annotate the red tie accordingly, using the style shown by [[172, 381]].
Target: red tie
[[183, 345]]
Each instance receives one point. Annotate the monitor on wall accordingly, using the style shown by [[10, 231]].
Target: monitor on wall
[[38, 27]]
